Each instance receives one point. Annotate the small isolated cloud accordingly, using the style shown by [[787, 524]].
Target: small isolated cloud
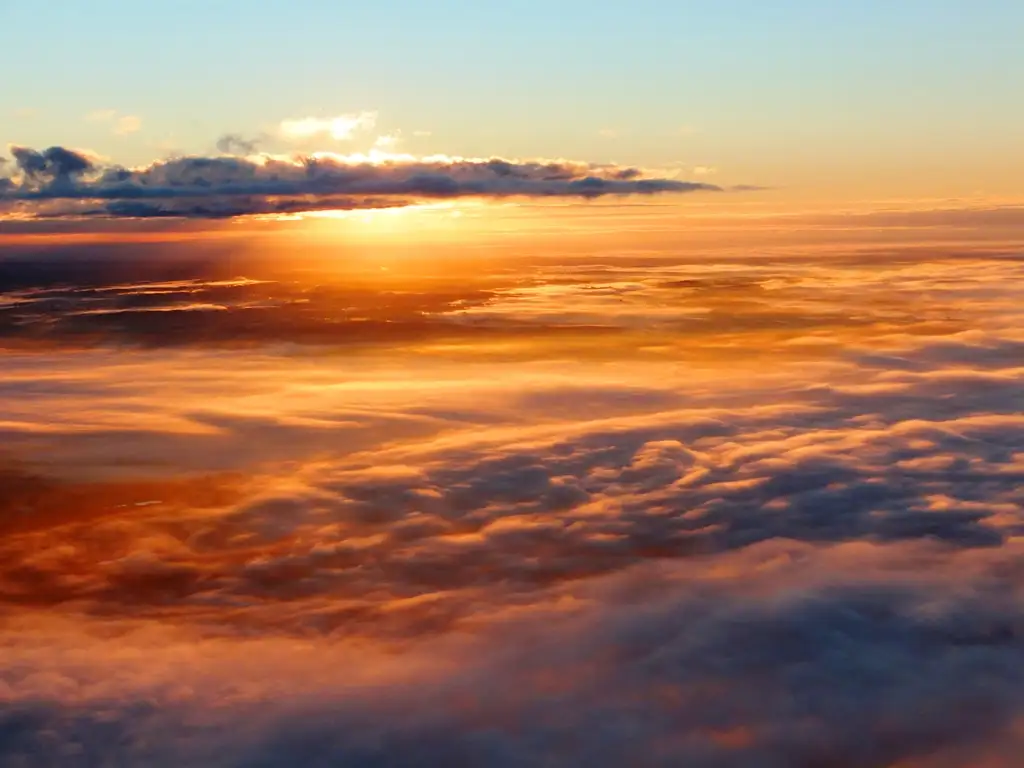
[[120, 125], [236, 144], [704, 170], [127, 124], [340, 128], [608, 133], [388, 140]]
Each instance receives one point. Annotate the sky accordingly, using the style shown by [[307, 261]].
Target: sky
[[867, 99], [511, 384]]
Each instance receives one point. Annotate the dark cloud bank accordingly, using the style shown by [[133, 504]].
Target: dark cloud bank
[[59, 182]]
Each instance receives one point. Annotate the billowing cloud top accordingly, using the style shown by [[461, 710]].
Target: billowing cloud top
[[59, 182]]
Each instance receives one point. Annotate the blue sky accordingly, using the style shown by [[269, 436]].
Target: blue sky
[[789, 92]]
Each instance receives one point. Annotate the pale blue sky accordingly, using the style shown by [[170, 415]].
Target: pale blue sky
[[787, 92]]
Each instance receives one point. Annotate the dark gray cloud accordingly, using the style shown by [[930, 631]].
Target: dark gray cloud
[[52, 168], [62, 182], [236, 144]]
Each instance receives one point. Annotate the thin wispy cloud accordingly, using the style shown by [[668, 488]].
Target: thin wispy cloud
[[120, 124], [126, 124]]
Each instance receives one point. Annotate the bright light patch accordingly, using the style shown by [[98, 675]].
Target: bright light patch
[[341, 128]]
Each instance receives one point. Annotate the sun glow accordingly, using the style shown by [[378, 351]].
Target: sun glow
[[404, 226], [378, 214]]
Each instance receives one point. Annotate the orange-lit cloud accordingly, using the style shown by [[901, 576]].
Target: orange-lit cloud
[[739, 508]]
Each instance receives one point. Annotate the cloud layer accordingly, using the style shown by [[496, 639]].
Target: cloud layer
[[712, 510], [63, 182]]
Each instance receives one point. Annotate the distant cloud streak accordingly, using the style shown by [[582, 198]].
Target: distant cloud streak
[[62, 182]]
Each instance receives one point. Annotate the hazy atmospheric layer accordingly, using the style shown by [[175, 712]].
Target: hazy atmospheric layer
[[639, 503]]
